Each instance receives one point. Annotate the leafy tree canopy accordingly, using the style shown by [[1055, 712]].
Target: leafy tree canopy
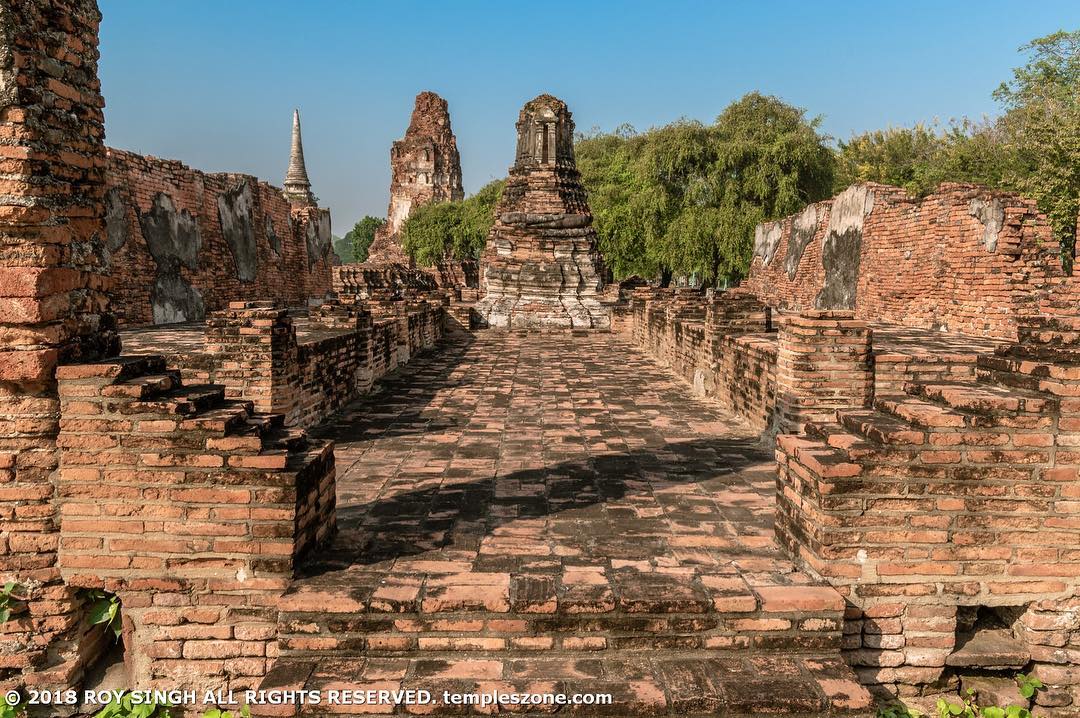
[[684, 198], [343, 249], [451, 230], [359, 238]]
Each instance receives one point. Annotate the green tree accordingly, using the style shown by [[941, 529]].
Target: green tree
[[921, 157], [451, 230], [1042, 127], [361, 236], [907, 157], [343, 249], [684, 198]]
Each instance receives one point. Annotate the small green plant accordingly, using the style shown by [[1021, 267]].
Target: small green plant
[[968, 708], [125, 707], [1028, 685], [8, 594], [105, 608], [244, 712], [898, 710], [12, 711]]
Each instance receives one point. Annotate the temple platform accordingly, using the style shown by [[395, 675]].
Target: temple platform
[[560, 512]]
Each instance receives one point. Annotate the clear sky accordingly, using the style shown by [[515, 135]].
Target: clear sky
[[212, 83]]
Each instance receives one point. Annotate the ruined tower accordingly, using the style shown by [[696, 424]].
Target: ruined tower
[[297, 184], [541, 268], [425, 168]]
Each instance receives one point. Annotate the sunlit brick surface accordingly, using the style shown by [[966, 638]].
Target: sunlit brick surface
[[532, 509]]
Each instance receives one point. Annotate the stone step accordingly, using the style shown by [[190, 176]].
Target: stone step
[[995, 649], [984, 399], [145, 386], [183, 400], [858, 448], [881, 428], [1031, 369], [521, 615], [229, 417], [665, 683]]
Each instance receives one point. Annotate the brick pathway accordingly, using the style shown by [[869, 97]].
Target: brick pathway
[[522, 497]]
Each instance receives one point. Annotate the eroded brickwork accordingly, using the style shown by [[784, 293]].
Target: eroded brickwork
[[964, 259], [425, 167], [190, 508], [53, 309], [182, 243]]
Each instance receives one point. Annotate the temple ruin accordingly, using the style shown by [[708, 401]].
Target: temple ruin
[[854, 476], [425, 167], [541, 269]]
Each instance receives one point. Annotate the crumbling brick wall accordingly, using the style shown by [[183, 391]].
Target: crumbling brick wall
[[722, 346], [182, 243], [253, 349], [54, 308], [963, 259], [191, 509]]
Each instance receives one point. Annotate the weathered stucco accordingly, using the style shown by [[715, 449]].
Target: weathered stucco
[[991, 212], [803, 229], [236, 214], [842, 250], [766, 239]]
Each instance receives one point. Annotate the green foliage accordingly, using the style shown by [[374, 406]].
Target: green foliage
[[455, 230], [343, 248], [12, 711], [968, 708], [1028, 685], [685, 198], [1042, 127], [125, 707], [920, 158], [244, 712], [9, 594], [359, 238], [105, 609]]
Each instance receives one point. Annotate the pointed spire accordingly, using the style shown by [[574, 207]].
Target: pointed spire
[[297, 184]]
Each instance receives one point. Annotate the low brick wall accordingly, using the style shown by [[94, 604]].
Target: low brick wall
[[256, 352], [192, 509], [720, 345]]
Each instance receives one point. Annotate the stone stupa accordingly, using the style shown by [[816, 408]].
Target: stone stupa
[[541, 269]]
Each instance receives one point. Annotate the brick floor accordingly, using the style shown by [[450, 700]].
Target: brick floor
[[572, 458], [525, 508]]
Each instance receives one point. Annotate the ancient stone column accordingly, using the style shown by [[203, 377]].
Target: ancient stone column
[[541, 268]]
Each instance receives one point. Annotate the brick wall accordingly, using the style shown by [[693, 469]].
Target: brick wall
[[945, 500], [53, 309], [720, 345], [182, 243], [964, 259], [254, 351], [192, 509]]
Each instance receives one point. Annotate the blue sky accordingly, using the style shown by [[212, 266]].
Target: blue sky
[[213, 83]]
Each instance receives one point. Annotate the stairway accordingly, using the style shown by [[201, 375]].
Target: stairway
[[673, 645], [740, 640]]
